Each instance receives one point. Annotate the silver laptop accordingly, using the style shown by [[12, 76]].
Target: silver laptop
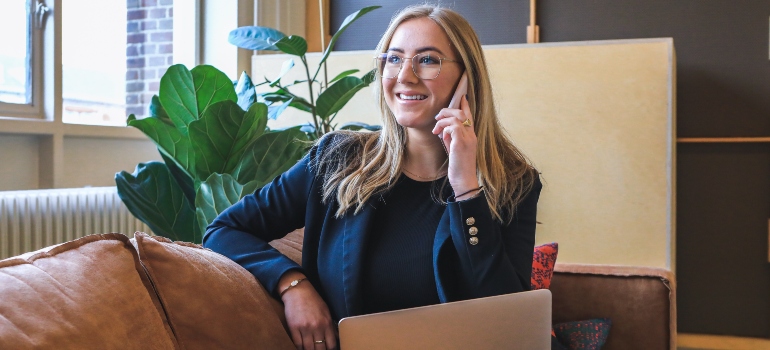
[[511, 321]]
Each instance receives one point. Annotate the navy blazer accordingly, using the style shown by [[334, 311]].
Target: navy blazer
[[332, 253]]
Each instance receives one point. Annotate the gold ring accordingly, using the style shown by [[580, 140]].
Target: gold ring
[[319, 342], [467, 122]]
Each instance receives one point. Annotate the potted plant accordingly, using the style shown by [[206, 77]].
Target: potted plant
[[330, 99], [213, 137]]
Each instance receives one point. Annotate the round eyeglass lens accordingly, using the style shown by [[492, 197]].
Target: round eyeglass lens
[[424, 65]]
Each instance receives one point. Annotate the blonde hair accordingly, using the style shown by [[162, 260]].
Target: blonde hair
[[359, 165]]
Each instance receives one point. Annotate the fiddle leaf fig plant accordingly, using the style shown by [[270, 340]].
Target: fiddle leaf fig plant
[[213, 138], [325, 100]]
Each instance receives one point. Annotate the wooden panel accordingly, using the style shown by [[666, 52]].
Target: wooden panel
[[723, 139], [704, 341], [723, 206]]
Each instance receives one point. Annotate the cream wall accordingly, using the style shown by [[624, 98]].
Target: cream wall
[[18, 162], [596, 118], [94, 161], [88, 161]]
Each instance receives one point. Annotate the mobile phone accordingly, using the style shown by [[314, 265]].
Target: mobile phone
[[462, 90]]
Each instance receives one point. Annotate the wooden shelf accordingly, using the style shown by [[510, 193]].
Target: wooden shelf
[[723, 140]]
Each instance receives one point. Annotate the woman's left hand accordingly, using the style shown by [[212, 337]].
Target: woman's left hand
[[460, 142]]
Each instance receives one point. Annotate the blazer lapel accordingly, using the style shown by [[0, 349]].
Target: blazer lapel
[[357, 230]]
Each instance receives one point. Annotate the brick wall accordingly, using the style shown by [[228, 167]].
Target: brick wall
[[149, 51]]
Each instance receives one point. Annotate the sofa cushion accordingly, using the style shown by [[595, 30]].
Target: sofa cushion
[[588, 334], [210, 301], [291, 245], [83, 294]]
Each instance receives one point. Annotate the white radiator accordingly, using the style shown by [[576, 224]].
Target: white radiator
[[30, 220]]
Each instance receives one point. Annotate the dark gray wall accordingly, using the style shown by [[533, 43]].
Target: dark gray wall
[[723, 89], [493, 22]]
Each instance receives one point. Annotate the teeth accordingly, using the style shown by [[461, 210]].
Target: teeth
[[412, 97]]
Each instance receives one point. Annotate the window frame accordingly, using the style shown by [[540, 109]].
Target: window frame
[[34, 109], [42, 121]]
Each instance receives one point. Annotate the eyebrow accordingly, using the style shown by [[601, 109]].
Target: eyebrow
[[419, 50]]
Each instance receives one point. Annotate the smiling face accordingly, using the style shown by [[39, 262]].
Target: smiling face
[[416, 102]]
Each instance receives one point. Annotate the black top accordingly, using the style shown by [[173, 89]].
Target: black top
[[398, 264]]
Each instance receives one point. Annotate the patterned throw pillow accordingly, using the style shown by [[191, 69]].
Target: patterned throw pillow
[[588, 334], [543, 261]]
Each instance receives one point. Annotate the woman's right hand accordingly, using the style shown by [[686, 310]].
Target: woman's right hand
[[307, 315]]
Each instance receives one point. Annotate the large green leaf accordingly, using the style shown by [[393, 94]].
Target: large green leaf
[[211, 86], [169, 139], [153, 196], [255, 38], [345, 24], [293, 45], [356, 126], [217, 193], [271, 155], [337, 95], [274, 111], [285, 68], [157, 111], [222, 135], [343, 74], [369, 77], [282, 95], [177, 96], [245, 91], [183, 179]]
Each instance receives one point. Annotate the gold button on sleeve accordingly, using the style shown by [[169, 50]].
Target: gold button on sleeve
[[473, 241], [470, 221], [473, 231]]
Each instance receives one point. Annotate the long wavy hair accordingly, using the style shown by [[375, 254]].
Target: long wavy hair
[[359, 165]]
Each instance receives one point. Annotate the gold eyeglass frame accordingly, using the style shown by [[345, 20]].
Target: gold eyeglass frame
[[383, 56]]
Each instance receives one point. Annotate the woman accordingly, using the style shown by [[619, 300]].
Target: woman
[[438, 206]]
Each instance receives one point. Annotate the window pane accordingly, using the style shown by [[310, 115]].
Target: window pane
[[94, 62], [113, 61], [15, 82]]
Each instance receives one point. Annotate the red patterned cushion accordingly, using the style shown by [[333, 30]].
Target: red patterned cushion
[[543, 260], [588, 334]]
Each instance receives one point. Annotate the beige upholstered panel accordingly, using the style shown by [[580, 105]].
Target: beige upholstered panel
[[597, 118]]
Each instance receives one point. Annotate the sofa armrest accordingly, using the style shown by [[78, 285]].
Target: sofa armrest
[[291, 245], [640, 301]]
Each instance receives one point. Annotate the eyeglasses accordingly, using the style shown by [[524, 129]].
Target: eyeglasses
[[424, 66]]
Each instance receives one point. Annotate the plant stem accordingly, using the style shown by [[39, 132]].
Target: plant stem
[[312, 97], [326, 77], [323, 39]]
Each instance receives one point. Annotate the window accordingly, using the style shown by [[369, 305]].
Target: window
[[19, 77], [62, 60], [113, 71], [75, 63]]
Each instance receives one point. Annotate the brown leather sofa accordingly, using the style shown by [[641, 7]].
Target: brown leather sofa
[[108, 292]]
